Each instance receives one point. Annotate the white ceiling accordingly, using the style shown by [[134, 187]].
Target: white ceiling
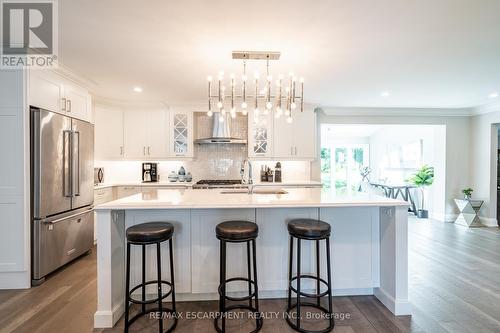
[[427, 53]]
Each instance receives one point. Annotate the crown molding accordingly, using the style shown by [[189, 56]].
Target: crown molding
[[405, 112], [487, 108]]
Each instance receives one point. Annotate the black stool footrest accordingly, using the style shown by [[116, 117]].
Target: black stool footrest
[[238, 299], [258, 317], [312, 305], [163, 310], [302, 293], [155, 300]]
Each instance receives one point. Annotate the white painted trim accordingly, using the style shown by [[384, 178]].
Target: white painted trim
[[488, 222], [442, 217], [15, 280], [106, 319], [399, 307], [487, 108], [407, 112]]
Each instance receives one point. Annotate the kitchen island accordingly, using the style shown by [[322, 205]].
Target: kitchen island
[[369, 243]]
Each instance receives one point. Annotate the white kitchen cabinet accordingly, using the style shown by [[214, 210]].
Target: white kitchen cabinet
[[298, 139], [46, 91], [136, 136], [158, 130], [260, 134], [49, 90], [145, 134], [108, 133], [103, 195], [181, 134], [77, 102]]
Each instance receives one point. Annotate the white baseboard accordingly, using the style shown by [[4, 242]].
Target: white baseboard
[[489, 222], [15, 280], [397, 307], [442, 217]]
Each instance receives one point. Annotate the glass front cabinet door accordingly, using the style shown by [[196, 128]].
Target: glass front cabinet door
[[260, 134], [181, 130]]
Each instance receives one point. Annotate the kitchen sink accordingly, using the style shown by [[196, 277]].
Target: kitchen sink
[[255, 191]]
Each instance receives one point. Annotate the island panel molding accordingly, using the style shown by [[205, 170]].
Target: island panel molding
[[369, 245]]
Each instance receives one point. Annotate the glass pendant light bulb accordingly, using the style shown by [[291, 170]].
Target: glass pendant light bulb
[[269, 105], [293, 106], [289, 120], [244, 112], [287, 113], [223, 112], [301, 80], [210, 113], [244, 105], [269, 78], [219, 105], [209, 78], [244, 77]]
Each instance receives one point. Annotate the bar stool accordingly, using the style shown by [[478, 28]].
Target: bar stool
[[314, 230], [148, 234], [238, 232]]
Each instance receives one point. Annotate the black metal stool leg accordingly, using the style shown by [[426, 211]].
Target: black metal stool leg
[[318, 282], [249, 273], [144, 278], [329, 273], [160, 305], [223, 283], [290, 271], [172, 275], [298, 282], [254, 253], [127, 283]]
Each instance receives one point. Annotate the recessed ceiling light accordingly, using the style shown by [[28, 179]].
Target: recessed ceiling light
[[385, 94], [138, 89], [493, 95]]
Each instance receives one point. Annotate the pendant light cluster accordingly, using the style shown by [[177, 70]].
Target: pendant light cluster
[[282, 100]]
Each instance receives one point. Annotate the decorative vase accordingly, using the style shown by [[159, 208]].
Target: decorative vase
[[467, 196]]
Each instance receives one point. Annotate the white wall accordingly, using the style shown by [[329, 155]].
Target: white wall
[[434, 151], [457, 149], [15, 269], [483, 172]]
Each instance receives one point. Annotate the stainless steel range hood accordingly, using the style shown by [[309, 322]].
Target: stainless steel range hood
[[221, 131]]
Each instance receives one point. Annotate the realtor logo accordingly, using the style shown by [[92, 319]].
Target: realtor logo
[[28, 33]]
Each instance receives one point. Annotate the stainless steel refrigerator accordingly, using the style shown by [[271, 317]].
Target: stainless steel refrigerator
[[62, 190]]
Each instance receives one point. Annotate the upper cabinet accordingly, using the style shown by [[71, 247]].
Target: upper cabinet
[[260, 129], [142, 134], [108, 133], [49, 90], [181, 134], [146, 134], [296, 140]]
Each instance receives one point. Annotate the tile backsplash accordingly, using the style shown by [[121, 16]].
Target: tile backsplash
[[212, 161]]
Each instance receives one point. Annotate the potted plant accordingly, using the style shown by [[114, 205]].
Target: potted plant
[[467, 193], [423, 178]]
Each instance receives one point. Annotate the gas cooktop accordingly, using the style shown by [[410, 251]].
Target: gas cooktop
[[218, 183]]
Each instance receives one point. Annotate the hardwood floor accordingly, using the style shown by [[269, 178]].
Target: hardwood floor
[[454, 287]]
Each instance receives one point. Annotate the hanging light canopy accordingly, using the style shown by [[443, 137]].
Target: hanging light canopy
[[268, 99]]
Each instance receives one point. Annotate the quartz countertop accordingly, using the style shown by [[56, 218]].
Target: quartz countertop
[[220, 198]]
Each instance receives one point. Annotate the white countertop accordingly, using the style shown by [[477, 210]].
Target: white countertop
[[190, 184], [213, 198]]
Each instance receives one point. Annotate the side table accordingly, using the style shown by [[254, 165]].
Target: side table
[[468, 212]]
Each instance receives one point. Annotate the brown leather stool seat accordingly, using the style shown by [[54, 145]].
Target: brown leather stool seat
[[150, 232], [309, 228], [237, 230]]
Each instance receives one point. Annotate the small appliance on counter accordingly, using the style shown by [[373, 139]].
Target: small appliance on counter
[[98, 176], [150, 172]]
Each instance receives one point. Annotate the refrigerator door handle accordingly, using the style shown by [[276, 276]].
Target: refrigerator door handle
[[67, 178], [76, 164], [67, 217]]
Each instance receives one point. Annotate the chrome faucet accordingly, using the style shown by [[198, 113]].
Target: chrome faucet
[[249, 179]]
